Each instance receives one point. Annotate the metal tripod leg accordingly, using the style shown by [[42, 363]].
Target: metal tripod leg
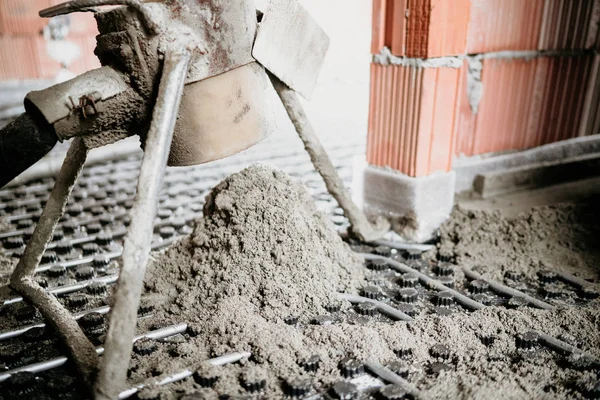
[[80, 348], [136, 248], [360, 226]]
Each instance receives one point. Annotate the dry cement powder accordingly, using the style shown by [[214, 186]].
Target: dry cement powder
[[262, 253]]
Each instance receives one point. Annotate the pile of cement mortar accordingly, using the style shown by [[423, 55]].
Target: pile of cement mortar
[[563, 237], [262, 253], [261, 241]]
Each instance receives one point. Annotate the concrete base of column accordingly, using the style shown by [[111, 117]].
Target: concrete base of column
[[416, 206]]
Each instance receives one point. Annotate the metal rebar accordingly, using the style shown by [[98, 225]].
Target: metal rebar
[[136, 247], [394, 244], [573, 280], [78, 261], [382, 307], [563, 347], [22, 329], [68, 288], [82, 284], [389, 376], [430, 282], [508, 291], [58, 361], [221, 360], [361, 226]]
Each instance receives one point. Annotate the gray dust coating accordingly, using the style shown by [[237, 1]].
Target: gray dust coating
[[262, 252], [563, 238]]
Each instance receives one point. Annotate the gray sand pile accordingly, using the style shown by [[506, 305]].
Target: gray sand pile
[[563, 237], [261, 241], [262, 253]]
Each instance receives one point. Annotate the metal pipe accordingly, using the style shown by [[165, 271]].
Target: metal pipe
[[179, 376], [136, 247], [394, 244], [382, 307], [21, 330], [24, 141], [459, 297], [82, 284], [563, 347], [59, 361], [68, 288], [502, 289], [389, 376], [361, 226], [573, 280]]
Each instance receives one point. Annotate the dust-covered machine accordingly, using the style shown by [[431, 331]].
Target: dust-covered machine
[[194, 79]]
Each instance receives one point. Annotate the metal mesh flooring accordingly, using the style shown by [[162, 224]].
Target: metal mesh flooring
[[80, 268]]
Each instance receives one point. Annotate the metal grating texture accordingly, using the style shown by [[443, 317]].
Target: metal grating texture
[[80, 268]]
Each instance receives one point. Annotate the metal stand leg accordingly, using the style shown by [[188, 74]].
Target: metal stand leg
[[80, 348], [118, 344], [361, 227]]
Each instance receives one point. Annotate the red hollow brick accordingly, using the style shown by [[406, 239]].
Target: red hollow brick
[[590, 120], [417, 35], [497, 25], [21, 16], [396, 22], [83, 24], [420, 28], [569, 24], [378, 26], [45, 65], [527, 103], [411, 118], [448, 23], [17, 58]]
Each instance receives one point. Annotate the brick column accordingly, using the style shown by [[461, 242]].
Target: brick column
[[460, 78]]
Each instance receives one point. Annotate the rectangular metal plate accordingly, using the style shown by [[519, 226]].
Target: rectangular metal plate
[[291, 45]]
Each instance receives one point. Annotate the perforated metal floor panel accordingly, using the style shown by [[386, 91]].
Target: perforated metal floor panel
[[80, 268]]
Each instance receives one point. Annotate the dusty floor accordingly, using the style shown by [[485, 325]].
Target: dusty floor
[[237, 317], [512, 204], [562, 237], [252, 263]]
